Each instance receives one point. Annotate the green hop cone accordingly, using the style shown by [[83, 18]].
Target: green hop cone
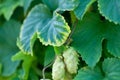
[[71, 59], [58, 69]]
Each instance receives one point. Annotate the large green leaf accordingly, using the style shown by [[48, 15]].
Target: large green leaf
[[40, 23], [7, 7], [61, 5], [111, 68], [82, 8], [89, 74], [110, 9], [8, 36], [26, 64], [88, 37]]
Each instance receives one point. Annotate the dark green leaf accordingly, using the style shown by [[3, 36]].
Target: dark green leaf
[[87, 40], [8, 36], [88, 37], [40, 23], [33, 76]]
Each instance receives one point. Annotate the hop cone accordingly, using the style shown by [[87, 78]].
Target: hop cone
[[58, 69], [71, 60]]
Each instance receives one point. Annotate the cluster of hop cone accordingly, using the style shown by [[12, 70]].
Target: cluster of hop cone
[[65, 65]]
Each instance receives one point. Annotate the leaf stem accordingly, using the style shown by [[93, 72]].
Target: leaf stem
[[73, 29], [43, 71]]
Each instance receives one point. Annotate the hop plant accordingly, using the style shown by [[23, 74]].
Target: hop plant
[[58, 69], [71, 60]]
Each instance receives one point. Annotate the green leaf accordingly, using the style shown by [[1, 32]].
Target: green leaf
[[111, 68], [26, 4], [61, 5], [7, 7], [26, 64], [89, 74], [89, 35], [40, 23], [86, 39], [8, 36], [110, 9], [49, 56], [82, 8], [39, 51]]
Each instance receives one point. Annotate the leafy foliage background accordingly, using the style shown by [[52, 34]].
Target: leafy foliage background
[[33, 33]]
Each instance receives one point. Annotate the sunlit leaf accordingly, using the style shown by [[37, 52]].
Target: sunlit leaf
[[40, 23]]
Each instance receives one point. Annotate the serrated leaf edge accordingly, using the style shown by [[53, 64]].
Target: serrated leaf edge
[[59, 43], [92, 66], [99, 8], [20, 45]]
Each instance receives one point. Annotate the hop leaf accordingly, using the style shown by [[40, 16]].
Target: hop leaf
[[58, 70], [71, 60]]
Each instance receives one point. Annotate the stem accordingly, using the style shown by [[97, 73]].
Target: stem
[[73, 29], [43, 71]]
